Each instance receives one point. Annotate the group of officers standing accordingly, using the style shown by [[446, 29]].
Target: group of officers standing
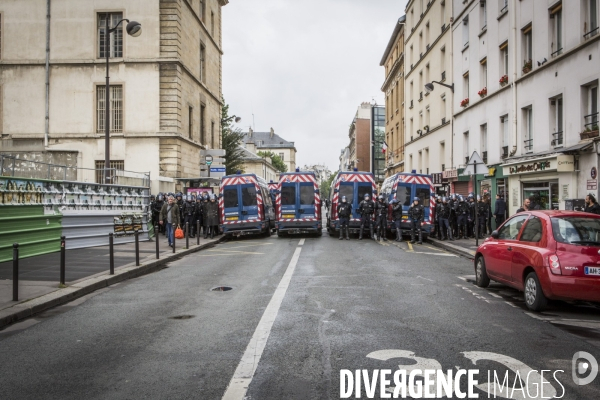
[[192, 209]]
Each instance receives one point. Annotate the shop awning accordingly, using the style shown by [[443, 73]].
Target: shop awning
[[578, 147]]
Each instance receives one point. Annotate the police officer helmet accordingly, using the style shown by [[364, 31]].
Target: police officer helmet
[[160, 197], [366, 196], [189, 197], [460, 198], [444, 199], [343, 199], [416, 199], [454, 196], [152, 197], [213, 197], [478, 197], [380, 197]]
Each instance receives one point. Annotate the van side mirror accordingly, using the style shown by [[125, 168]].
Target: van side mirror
[[394, 191], [317, 191], [495, 234], [336, 190]]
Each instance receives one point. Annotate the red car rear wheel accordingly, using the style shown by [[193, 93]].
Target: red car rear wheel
[[534, 296]]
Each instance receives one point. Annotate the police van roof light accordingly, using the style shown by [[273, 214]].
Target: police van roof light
[[238, 172], [298, 169], [414, 171], [355, 169]]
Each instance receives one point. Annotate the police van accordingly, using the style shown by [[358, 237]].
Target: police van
[[245, 205], [404, 187], [298, 204], [354, 185]]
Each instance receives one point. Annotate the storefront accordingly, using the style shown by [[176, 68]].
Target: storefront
[[547, 181]]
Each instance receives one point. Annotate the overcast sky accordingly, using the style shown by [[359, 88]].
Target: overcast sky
[[304, 66]]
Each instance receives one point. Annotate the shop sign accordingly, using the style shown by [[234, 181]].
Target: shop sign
[[491, 171], [565, 164], [436, 178], [450, 173], [533, 167], [592, 184]]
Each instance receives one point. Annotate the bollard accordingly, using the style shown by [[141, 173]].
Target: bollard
[[137, 248], [15, 271], [157, 239], [111, 253], [174, 238], [187, 235], [62, 260], [198, 232]]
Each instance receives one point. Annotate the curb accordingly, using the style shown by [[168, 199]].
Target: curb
[[84, 287], [452, 248]]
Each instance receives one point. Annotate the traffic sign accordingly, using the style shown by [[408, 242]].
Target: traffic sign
[[475, 166], [217, 169], [208, 159]]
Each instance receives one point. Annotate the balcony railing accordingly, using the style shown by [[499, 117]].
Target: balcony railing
[[591, 121], [504, 9], [528, 144], [443, 121], [443, 28], [467, 160], [420, 96], [484, 156], [504, 151], [443, 167], [591, 33], [411, 104], [558, 139], [556, 53], [443, 76]]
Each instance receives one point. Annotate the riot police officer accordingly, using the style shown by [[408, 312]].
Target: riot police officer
[[366, 208], [205, 208], [471, 216], [482, 216], [189, 211], [416, 213], [156, 206], [397, 215], [198, 214], [344, 211], [381, 218], [212, 215], [438, 226], [462, 213], [446, 230], [453, 203]]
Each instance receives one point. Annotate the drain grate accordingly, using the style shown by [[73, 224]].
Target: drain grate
[[221, 289], [183, 317]]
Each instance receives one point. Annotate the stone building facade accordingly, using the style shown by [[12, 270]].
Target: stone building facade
[[270, 141], [165, 84]]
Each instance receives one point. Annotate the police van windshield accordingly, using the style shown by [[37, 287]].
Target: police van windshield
[[348, 191], [288, 195], [307, 195], [403, 195], [423, 194], [365, 189], [249, 196], [230, 198]]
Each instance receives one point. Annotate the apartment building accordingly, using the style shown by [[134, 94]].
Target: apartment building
[[393, 87], [428, 114], [527, 97], [165, 85], [270, 141]]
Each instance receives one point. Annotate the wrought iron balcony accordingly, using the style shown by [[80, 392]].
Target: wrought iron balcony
[[528, 144], [504, 151], [484, 156], [591, 121], [558, 139]]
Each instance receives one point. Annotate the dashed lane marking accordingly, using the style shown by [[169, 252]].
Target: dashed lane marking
[[301, 242], [436, 254], [252, 245], [234, 251], [409, 245]]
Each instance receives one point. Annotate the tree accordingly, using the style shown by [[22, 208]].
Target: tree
[[325, 187], [275, 160], [231, 142]]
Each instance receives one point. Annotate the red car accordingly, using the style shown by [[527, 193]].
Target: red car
[[546, 254]]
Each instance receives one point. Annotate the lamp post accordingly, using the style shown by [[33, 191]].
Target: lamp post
[[429, 86], [133, 29]]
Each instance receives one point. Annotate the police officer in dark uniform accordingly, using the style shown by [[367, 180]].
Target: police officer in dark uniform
[[438, 225], [381, 209], [416, 213], [344, 211], [462, 212], [366, 208], [397, 215], [205, 214], [453, 203], [179, 200], [189, 213], [198, 214], [444, 213], [482, 216], [156, 206], [471, 216]]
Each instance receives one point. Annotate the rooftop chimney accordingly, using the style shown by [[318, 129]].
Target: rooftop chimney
[[250, 132], [272, 133]]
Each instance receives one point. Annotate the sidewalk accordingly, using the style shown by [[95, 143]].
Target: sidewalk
[[463, 247], [86, 270]]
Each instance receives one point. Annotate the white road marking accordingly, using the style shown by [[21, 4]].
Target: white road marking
[[511, 304], [238, 386], [301, 242], [495, 295], [436, 254], [462, 278]]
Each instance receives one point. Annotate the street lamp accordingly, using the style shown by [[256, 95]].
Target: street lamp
[[134, 29], [429, 86], [226, 120]]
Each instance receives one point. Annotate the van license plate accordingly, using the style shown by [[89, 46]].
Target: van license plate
[[592, 270], [232, 218], [405, 217], [290, 216]]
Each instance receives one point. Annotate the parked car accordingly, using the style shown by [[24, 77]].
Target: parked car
[[545, 254]]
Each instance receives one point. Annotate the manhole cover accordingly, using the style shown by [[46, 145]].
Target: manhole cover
[[183, 317], [221, 289]]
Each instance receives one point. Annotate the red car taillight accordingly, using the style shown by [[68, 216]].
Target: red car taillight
[[554, 264]]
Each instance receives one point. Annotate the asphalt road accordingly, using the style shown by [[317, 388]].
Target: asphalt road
[[299, 312]]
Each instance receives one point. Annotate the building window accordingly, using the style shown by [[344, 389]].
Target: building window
[[484, 155], [527, 48], [116, 108], [202, 131], [443, 110], [281, 156], [465, 31], [443, 11], [115, 45], [466, 146], [591, 109], [190, 121], [427, 36], [591, 19], [484, 73], [504, 58], [443, 63], [556, 120], [483, 14], [0, 36], [528, 129], [202, 9], [114, 166], [427, 115], [212, 24], [503, 6], [442, 156], [556, 44], [466, 85], [202, 62], [504, 132]]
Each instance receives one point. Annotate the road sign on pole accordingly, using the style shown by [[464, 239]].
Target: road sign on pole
[[208, 159]]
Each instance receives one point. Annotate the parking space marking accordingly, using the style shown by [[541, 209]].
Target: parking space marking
[[511, 304], [409, 245], [252, 245], [436, 254]]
